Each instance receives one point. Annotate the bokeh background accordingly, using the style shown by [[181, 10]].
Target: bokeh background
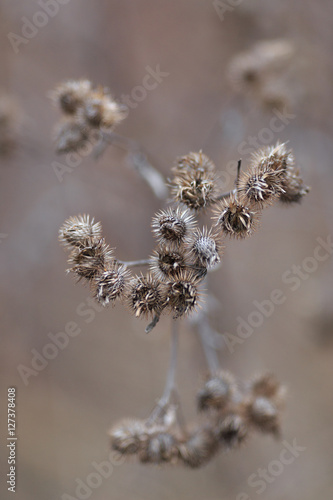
[[210, 100]]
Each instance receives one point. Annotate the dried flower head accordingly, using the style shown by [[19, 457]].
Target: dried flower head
[[260, 186], [199, 448], [70, 95], [294, 188], [77, 230], [195, 182], [101, 111], [277, 158], [160, 447], [217, 392], [167, 261], [231, 430], [266, 385], [205, 248], [144, 297], [111, 284], [235, 217], [172, 225], [181, 293], [71, 136], [128, 436], [92, 259], [263, 414]]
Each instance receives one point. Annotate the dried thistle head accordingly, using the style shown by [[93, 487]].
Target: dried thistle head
[[231, 430], [173, 225], [144, 296], [160, 447], [235, 217], [71, 135], [217, 392], [205, 248], [294, 188], [199, 448], [167, 261], [182, 294], [266, 385], [100, 110], [195, 181], [263, 414], [92, 259], [70, 95], [277, 158], [128, 436], [77, 230], [260, 186], [111, 284]]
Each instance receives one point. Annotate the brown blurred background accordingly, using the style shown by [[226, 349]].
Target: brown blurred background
[[112, 368]]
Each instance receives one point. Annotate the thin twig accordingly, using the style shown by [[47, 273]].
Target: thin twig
[[171, 376], [133, 263], [138, 160]]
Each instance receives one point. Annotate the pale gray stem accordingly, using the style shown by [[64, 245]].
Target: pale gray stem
[[133, 263], [138, 160]]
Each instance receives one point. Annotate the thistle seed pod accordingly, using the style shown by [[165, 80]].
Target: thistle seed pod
[[217, 392], [91, 260], [193, 162], [277, 158], [71, 136], [101, 111], [261, 186], [205, 248], [266, 386], [231, 430], [167, 262], [77, 230], [195, 181], [70, 95], [128, 437], [235, 218], [294, 188], [264, 415], [172, 225], [159, 448], [181, 293], [199, 448], [110, 284], [144, 296]]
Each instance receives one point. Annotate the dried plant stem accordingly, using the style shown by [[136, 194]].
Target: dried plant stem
[[171, 376], [134, 263], [205, 333], [233, 191], [138, 159]]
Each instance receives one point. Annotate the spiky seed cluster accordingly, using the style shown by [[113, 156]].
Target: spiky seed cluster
[[91, 259], [173, 225], [110, 284], [234, 413], [195, 181], [293, 186], [235, 218], [205, 248], [77, 231], [144, 296], [277, 158], [86, 109], [199, 448], [167, 262], [182, 294], [217, 392], [260, 186]]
